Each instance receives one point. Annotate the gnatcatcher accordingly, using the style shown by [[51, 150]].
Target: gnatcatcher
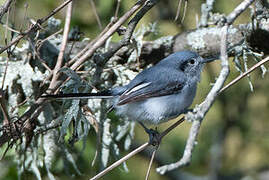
[[157, 94]]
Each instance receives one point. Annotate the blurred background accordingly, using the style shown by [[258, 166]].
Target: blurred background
[[232, 143]]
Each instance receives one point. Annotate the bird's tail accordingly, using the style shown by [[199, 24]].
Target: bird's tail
[[98, 95]]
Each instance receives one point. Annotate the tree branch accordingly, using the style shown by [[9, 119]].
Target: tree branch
[[60, 58], [200, 111], [238, 10], [34, 27], [4, 8]]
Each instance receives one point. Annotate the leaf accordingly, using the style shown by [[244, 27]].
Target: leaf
[[71, 113]]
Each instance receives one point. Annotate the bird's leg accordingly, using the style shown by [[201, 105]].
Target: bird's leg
[[154, 138]]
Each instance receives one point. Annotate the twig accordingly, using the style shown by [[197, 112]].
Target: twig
[[96, 14], [206, 8], [117, 9], [63, 46], [5, 72], [150, 163], [114, 165], [184, 11], [106, 35], [238, 10], [34, 27], [88, 51], [42, 131], [178, 9], [35, 108], [123, 159], [199, 112], [11, 29], [238, 78], [173, 126], [129, 31], [4, 8], [3, 106], [24, 17]]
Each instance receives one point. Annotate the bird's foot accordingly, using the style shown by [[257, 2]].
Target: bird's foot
[[154, 135]]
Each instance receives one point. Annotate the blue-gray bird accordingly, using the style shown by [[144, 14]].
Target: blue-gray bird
[[157, 94]]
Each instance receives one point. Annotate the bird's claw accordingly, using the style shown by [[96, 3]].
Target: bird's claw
[[154, 137]]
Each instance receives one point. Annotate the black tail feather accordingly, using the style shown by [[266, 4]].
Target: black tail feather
[[98, 95]]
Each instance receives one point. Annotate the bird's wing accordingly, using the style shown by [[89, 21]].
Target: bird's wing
[[146, 90]]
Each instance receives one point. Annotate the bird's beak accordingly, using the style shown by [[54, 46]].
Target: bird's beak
[[208, 60]]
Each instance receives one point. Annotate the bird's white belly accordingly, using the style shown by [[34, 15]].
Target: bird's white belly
[[156, 110]]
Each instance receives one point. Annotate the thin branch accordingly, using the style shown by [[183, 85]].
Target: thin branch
[[140, 148], [59, 62], [106, 35], [4, 8], [123, 159], [11, 29], [5, 72], [206, 8], [184, 11], [150, 163], [3, 106], [129, 31], [238, 10], [24, 17], [238, 78], [178, 10], [200, 111], [34, 27], [117, 9], [96, 14], [35, 108], [107, 32], [173, 126]]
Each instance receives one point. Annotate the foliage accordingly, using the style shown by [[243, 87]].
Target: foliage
[[77, 138]]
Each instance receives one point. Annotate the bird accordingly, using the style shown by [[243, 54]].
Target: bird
[[157, 94]]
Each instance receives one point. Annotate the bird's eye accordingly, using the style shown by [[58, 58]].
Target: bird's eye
[[192, 61]]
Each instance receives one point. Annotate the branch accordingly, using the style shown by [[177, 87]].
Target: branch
[[238, 78], [123, 159], [150, 162], [130, 29], [35, 108], [107, 34], [89, 50], [59, 62], [200, 111], [34, 27], [206, 8], [4, 8], [238, 10]]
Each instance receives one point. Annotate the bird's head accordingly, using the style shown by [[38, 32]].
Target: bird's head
[[188, 62]]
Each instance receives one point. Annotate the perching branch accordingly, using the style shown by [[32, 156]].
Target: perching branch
[[200, 111], [33, 113], [120, 161], [137, 150]]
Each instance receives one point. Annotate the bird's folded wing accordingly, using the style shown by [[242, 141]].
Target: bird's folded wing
[[146, 90]]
